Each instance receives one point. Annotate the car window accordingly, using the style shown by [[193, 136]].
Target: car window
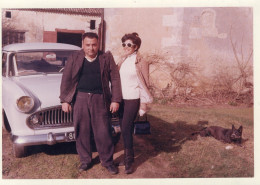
[[30, 63], [4, 59]]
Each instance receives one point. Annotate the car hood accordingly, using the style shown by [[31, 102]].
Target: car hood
[[46, 88]]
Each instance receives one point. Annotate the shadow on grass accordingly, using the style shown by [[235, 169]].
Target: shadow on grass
[[166, 137], [57, 149], [62, 148]]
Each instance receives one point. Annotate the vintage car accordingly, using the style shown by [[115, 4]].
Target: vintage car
[[31, 77]]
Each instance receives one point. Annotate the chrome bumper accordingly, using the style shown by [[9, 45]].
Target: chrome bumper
[[49, 139]]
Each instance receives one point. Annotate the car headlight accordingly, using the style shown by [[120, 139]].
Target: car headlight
[[25, 104]]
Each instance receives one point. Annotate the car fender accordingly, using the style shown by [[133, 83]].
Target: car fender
[[11, 91]]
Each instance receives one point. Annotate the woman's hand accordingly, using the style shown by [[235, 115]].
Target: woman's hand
[[141, 112], [142, 109]]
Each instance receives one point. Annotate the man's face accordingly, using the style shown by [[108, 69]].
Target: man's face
[[90, 47]]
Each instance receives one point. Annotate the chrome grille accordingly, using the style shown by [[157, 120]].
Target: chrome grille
[[49, 118]]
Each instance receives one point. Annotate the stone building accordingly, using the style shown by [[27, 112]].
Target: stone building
[[50, 25], [191, 50]]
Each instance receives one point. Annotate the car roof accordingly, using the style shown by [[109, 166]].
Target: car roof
[[39, 46]]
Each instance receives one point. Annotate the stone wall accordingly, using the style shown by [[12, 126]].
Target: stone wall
[[193, 39], [40, 26]]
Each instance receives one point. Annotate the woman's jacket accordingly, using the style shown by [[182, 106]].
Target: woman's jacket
[[142, 70]]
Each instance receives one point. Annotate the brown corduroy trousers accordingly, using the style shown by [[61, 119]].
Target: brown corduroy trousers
[[89, 112]]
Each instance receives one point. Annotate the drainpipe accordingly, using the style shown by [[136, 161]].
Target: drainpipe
[[102, 27]]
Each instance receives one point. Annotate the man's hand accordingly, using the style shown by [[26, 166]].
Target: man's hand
[[114, 107], [66, 107]]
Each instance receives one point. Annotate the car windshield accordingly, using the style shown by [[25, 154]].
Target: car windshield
[[30, 63]]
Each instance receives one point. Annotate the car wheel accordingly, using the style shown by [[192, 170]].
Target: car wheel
[[19, 150], [5, 122]]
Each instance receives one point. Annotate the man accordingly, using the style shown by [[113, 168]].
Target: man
[[85, 84]]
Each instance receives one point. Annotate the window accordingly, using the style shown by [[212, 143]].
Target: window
[[11, 37], [8, 14], [92, 24], [30, 63]]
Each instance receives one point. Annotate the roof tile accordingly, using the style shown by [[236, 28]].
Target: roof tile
[[97, 12]]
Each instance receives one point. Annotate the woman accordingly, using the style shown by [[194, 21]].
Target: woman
[[134, 81]]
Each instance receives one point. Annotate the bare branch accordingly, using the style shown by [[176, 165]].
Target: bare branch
[[234, 48], [242, 48], [250, 56]]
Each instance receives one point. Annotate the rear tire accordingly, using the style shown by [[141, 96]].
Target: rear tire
[[19, 150]]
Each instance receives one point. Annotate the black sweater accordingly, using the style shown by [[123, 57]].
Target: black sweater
[[90, 77]]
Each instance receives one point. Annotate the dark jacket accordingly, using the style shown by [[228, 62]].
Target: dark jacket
[[109, 73]]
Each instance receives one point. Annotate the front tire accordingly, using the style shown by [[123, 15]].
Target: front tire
[[19, 150], [5, 123]]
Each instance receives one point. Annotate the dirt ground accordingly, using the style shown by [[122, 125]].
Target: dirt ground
[[13, 167], [169, 152]]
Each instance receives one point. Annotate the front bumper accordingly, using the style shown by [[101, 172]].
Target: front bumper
[[49, 139]]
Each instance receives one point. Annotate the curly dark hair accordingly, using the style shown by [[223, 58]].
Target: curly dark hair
[[134, 37]]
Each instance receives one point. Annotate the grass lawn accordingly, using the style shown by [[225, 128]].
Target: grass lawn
[[199, 156], [171, 151]]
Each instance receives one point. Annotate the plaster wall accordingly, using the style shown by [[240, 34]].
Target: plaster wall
[[36, 23], [198, 35]]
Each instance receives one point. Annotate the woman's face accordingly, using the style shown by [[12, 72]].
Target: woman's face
[[129, 47]]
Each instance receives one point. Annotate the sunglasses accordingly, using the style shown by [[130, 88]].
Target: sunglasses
[[128, 45]]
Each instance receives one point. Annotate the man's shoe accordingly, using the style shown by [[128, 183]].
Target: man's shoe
[[112, 169], [84, 167]]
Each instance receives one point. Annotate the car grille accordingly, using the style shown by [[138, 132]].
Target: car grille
[[49, 118]]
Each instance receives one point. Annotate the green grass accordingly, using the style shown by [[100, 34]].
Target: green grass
[[203, 157], [171, 151]]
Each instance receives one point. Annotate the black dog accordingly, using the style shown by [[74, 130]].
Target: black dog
[[225, 135]]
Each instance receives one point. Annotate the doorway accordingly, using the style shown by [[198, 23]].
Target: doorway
[[69, 38]]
